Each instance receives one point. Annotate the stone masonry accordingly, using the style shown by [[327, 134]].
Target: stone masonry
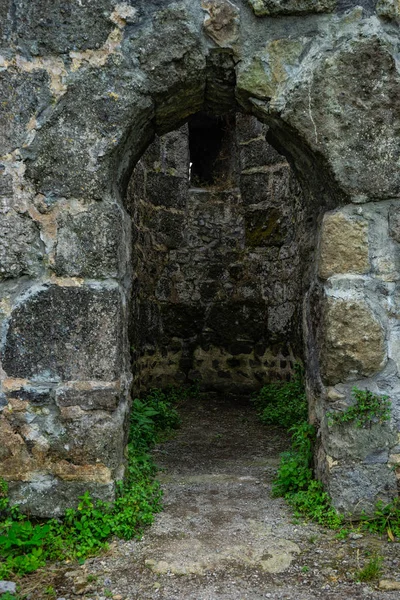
[[218, 269], [85, 88]]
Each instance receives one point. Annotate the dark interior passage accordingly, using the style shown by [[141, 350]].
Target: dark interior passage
[[219, 258]]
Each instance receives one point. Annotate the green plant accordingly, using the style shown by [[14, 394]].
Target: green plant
[[283, 403], [21, 547], [384, 520], [371, 570], [50, 591], [4, 503], [342, 533], [295, 472], [369, 408], [26, 546], [305, 569]]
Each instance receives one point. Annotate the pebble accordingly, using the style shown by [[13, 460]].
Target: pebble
[[389, 585], [8, 586], [356, 536]]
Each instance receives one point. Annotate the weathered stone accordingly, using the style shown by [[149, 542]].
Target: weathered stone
[[63, 158], [88, 435], [353, 344], [360, 146], [89, 243], [54, 26], [8, 586], [291, 7], [344, 245], [262, 75], [48, 496], [370, 445], [394, 222], [257, 153], [222, 22], [357, 488], [35, 395], [6, 188], [88, 397], [23, 96], [21, 249], [265, 228], [83, 342], [389, 9], [164, 190], [389, 585], [255, 188], [84, 91], [220, 82], [5, 20]]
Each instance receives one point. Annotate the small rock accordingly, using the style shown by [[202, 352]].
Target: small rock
[[389, 585], [107, 581], [117, 597], [356, 536], [8, 586]]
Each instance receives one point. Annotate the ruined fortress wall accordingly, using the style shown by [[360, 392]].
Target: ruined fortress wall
[[85, 87]]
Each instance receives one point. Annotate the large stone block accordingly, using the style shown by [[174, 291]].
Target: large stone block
[[56, 26], [22, 96], [49, 496], [89, 244], [68, 333], [255, 188], [370, 445], [353, 341], [20, 246], [70, 155], [167, 190], [355, 488], [339, 113], [258, 153], [344, 245], [89, 437]]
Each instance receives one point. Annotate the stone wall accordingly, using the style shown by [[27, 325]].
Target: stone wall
[[84, 90], [218, 269]]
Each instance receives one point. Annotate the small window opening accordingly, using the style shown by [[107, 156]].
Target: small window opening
[[209, 159]]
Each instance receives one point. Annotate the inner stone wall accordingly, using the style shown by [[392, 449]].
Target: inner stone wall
[[218, 269]]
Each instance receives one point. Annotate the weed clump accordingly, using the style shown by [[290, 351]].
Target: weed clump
[[371, 570], [369, 408], [283, 403]]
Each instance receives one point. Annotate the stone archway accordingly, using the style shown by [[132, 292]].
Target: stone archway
[[81, 105]]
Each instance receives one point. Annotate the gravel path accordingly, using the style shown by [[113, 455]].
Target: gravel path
[[221, 534]]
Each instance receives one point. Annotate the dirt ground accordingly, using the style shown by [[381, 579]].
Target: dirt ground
[[221, 534]]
